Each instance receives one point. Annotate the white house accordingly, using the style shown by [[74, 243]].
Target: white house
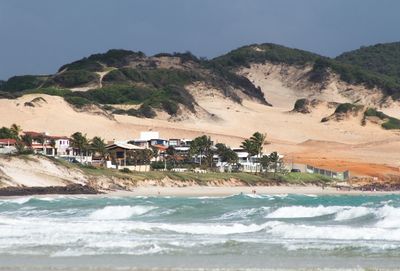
[[8, 146]]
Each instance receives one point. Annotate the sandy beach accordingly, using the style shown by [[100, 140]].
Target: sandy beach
[[209, 191]]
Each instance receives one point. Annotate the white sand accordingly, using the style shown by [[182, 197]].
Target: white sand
[[346, 143], [227, 191]]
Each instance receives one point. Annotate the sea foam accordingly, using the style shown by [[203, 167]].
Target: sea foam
[[120, 212], [353, 212], [303, 212]]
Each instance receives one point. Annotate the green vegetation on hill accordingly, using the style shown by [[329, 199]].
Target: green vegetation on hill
[[83, 64], [379, 58], [74, 78], [389, 122], [261, 53], [23, 82], [112, 58], [154, 77], [354, 75], [184, 57], [347, 108], [134, 78], [349, 72]]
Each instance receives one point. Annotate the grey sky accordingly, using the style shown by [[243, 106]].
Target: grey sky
[[37, 37]]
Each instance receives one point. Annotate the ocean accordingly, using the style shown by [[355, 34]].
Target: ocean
[[238, 232]]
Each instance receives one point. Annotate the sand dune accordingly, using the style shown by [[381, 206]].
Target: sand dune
[[302, 137]]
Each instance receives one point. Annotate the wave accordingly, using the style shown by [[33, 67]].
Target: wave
[[120, 212], [19, 200], [390, 217], [353, 212], [243, 213], [303, 212], [331, 232], [209, 229]]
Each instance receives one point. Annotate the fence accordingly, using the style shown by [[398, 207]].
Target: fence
[[345, 175]]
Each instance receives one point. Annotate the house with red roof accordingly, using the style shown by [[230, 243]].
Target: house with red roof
[[50, 145]]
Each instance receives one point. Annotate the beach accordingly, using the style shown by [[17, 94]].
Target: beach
[[233, 190]]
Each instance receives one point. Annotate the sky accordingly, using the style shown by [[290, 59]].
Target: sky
[[37, 37]]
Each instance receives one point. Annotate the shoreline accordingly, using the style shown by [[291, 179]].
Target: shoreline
[[235, 190], [198, 191]]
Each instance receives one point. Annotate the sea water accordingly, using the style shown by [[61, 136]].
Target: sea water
[[235, 232]]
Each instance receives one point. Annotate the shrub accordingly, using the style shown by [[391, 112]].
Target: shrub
[[389, 123], [116, 57], [115, 76], [125, 170], [118, 94], [24, 82], [51, 91], [83, 64], [347, 107], [157, 165], [75, 78], [78, 102]]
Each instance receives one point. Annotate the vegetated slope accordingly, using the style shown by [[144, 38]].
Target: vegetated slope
[[126, 77], [380, 58], [317, 69]]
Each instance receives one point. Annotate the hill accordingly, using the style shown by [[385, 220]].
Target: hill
[[119, 93], [147, 84], [348, 71], [380, 58]]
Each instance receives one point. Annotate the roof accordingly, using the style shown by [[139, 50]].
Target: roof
[[8, 141], [124, 146]]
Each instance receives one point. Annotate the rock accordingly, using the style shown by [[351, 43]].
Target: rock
[[71, 189]]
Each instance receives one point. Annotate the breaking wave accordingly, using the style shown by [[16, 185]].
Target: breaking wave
[[119, 212]]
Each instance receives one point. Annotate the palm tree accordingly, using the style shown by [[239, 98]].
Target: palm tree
[[254, 145], [27, 139], [226, 154], [249, 147], [274, 158], [201, 146], [98, 146], [80, 142], [16, 130], [265, 162], [259, 140]]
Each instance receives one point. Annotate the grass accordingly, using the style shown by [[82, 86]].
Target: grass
[[251, 179], [389, 123], [348, 107], [300, 178]]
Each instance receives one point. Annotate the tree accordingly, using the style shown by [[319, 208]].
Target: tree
[[16, 130], [171, 152], [226, 154], [27, 139], [275, 160], [8, 133], [98, 146], [80, 142], [258, 140], [265, 162], [254, 145], [249, 147], [201, 146]]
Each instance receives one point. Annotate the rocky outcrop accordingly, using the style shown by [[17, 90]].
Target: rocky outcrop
[[72, 189]]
